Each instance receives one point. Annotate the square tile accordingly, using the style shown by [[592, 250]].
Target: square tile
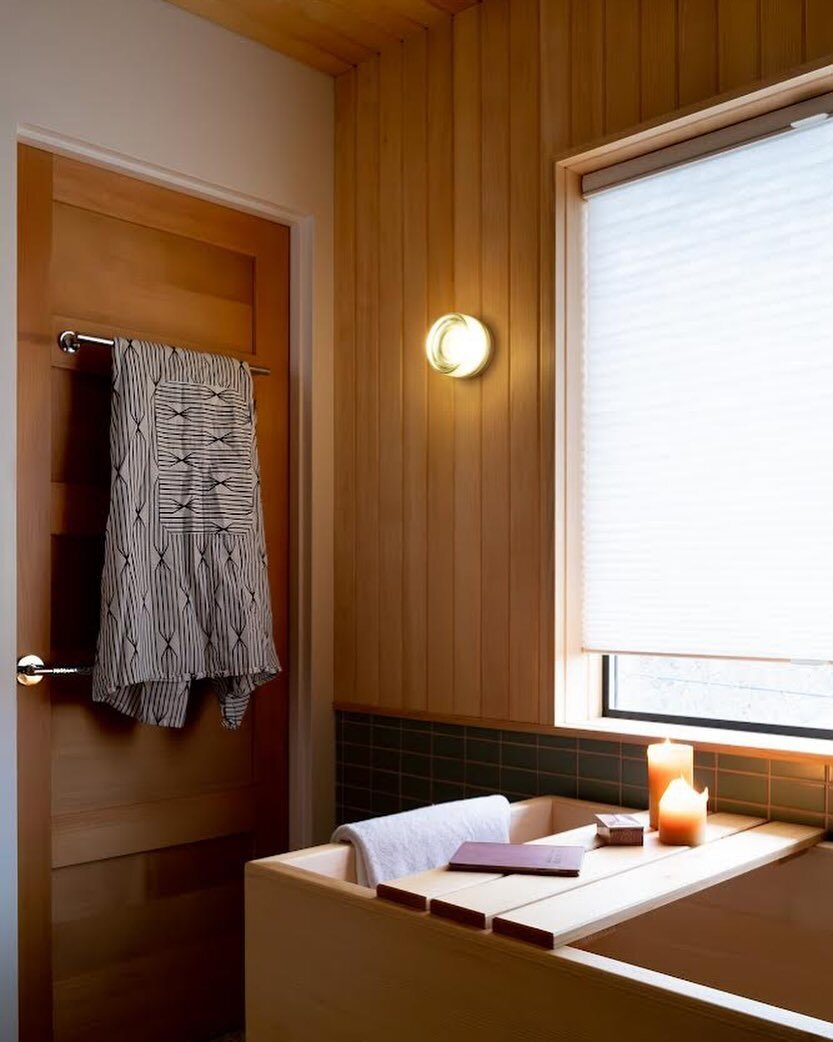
[[523, 783], [810, 770], [443, 791], [483, 775], [747, 788], [797, 795], [416, 763], [797, 817], [704, 759], [525, 756], [357, 777], [386, 803], [384, 781], [448, 745], [386, 759], [635, 773], [482, 752], [448, 770], [416, 741], [558, 785], [634, 796], [634, 752], [416, 788], [387, 737], [558, 761], [753, 810], [358, 754], [358, 799], [705, 779], [359, 734], [602, 768], [600, 791]]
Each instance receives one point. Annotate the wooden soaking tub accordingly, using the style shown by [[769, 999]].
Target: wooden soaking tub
[[731, 941]]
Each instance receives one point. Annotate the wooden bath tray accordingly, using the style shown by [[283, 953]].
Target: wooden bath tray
[[616, 883], [568, 917], [478, 905]]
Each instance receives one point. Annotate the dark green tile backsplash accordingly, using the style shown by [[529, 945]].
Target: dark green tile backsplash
[[386, 764]]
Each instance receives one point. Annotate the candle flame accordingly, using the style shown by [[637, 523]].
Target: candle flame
[[680, 787]]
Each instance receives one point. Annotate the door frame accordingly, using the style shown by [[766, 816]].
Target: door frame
[[311, 791], [307, 738], [250, 794]]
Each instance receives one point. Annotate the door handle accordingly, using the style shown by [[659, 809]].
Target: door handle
[[31, 670]]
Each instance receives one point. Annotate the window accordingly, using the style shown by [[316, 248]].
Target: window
[[702, 458], [787, 697]]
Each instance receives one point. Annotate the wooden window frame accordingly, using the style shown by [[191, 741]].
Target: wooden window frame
[[578, 676]]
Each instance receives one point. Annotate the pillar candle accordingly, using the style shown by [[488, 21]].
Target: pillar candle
[[682, 815], [666, 761]]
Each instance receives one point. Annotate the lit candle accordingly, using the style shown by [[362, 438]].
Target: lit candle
[[682, 815], [666, 761]]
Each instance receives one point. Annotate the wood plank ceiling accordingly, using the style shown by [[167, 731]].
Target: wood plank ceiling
[[330, 35]]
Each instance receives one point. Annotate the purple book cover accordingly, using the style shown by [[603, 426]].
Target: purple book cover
[[533, 859]]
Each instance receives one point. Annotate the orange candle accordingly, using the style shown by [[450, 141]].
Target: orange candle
[[682, 815], [666, 761]]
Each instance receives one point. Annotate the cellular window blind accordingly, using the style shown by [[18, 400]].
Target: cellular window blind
[[707, 413]]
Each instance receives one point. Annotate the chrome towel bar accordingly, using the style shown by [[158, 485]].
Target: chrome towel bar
[[31, 669], [71, 342]]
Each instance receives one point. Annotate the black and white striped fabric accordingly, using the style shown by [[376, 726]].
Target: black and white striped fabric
[[184, 590]]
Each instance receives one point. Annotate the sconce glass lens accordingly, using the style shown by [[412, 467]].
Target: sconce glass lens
[[458, 345]]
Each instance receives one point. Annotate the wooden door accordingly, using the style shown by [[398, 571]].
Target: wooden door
[[133, 838]]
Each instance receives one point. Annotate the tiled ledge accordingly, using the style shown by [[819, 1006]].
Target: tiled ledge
[[386, 764]]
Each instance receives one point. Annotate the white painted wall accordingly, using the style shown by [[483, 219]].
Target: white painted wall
[[151, 82]]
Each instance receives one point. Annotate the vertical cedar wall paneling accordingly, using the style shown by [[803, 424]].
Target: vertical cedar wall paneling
[[444, 148]]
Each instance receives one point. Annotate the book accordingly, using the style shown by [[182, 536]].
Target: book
[[620, 830], [524, 858]]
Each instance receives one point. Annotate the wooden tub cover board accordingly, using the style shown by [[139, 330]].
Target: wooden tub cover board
[[478, 905], [568, 917], [616, 883]]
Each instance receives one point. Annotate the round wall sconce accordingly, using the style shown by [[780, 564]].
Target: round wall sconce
[[458, 345]]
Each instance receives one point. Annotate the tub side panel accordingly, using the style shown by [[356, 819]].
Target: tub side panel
[[767, 935], [329, 961]]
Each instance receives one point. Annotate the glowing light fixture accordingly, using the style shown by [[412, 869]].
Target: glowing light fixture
[[458, 345]]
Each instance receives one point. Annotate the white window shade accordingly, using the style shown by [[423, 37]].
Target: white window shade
[[708, 406]]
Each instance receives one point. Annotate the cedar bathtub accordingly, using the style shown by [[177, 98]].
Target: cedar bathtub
[[748, 959]]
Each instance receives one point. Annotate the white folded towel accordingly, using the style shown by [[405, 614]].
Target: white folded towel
[[399, 844]]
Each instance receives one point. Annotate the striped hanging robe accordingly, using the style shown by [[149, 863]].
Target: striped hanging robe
[[184, 590]]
